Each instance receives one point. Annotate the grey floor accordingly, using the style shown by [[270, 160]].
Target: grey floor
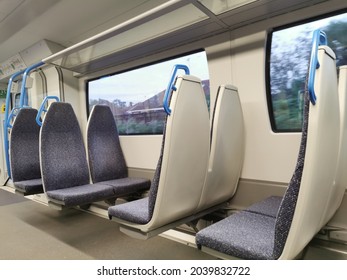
[[30, 230]]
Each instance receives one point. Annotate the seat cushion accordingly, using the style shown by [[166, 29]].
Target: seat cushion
[[29, 187], [243, 235], [136, 211], [128, 185], [81, 195], [268, 207]]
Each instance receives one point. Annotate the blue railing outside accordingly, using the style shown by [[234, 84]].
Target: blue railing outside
[[171, 85]]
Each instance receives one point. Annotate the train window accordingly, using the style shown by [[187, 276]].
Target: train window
[[287, 56], [136, 96]]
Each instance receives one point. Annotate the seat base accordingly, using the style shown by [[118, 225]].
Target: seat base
[[29, 187], [127, 185], [243, 235], [133, 230], [268, 207], [80, 195]]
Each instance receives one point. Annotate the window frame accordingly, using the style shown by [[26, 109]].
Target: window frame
[[268, 62], [135, 68]]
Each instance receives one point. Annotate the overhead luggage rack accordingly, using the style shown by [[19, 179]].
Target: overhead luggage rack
[[107, 48], [169, 25]]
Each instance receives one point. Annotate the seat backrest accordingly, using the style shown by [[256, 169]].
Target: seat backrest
[[227, 148], [337, 192], [178, 182], [302, 211], [62, 152], [24, 146], [106, 159]]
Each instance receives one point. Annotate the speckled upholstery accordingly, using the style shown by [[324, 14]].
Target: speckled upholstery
[[24, 153], [140, 211], [81, 195], [127, 185], [268, 207], [106, 160], [29, 187], [130, 211], [105, 154], [65, 171], [243, 235]]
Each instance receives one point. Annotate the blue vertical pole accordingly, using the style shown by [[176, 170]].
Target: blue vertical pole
[[23, 93], [7, 107]]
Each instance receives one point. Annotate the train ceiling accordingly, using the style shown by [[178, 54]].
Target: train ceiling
[[69, 22]]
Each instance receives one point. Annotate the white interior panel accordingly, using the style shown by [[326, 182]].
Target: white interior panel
[[266, 154], [141, 151]]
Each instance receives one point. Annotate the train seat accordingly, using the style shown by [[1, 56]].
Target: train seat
[[106, 160], [24, 153], [336, 196], [227, 148], [64, 166], [180, 174], [302, 211]]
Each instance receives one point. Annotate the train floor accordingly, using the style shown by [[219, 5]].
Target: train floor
[[30, 230]]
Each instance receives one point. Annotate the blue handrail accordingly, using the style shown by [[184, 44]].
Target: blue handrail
[[23, 93], [43, 109], [171, 86], [11, 116], [319, 38], [7, 107]]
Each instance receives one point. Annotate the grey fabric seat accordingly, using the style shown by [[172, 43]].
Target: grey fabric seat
[[106, 160], [24, 153], [139, 211], [64, 166], [81, 195], [248, 234], [261, 232], [175, 191], [29, 187], [243, 235], [130, 211]]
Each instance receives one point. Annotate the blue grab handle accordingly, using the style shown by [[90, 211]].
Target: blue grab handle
[[319, 39], [23, 93], [43, 109], [171, 86], [12, 114], [7, 107]]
